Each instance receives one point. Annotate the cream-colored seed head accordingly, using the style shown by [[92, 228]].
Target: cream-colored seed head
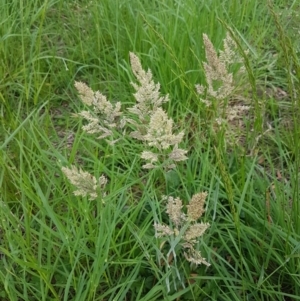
[[152, 124], [195, 208], [174, 207], [85, 183], [185, 225]]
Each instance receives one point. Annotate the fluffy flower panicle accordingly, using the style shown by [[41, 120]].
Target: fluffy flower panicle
[[160, 136], [153, 125], [162, 230], [195, 208], [219, 80], [147, 92], [184, 227], [85, 92], [229, 114], [229, 55], [160, 130], [93, 126], [178, 154], [85, 183], [174, 207], [108, 116], [195, 257], [195, 231]]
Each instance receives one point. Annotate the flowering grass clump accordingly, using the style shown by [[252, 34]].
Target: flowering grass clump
[[151, 122], [151, 125], [105, 117], [85, 183], [147, 93], [229, 114], [184, 230]]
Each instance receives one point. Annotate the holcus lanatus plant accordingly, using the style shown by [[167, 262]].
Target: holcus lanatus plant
[[151, 123], [182, 233], [229, 113], [184, 228], [147, 122]]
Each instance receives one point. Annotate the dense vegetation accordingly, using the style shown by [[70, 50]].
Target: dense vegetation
[[58, 246]]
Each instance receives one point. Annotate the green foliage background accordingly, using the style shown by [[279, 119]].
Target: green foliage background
[[54, 246]]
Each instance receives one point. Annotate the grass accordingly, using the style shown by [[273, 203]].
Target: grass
[[56, 246]]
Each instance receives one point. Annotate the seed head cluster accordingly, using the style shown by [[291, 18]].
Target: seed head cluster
[[229, 114], [104, 116], [185, 225], [147, 95], [150, 124], [85, 183]]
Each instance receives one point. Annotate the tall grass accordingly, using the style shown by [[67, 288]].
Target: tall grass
[[55, 246]]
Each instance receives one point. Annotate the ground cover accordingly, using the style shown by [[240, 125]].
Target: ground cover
[[242, 151]]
